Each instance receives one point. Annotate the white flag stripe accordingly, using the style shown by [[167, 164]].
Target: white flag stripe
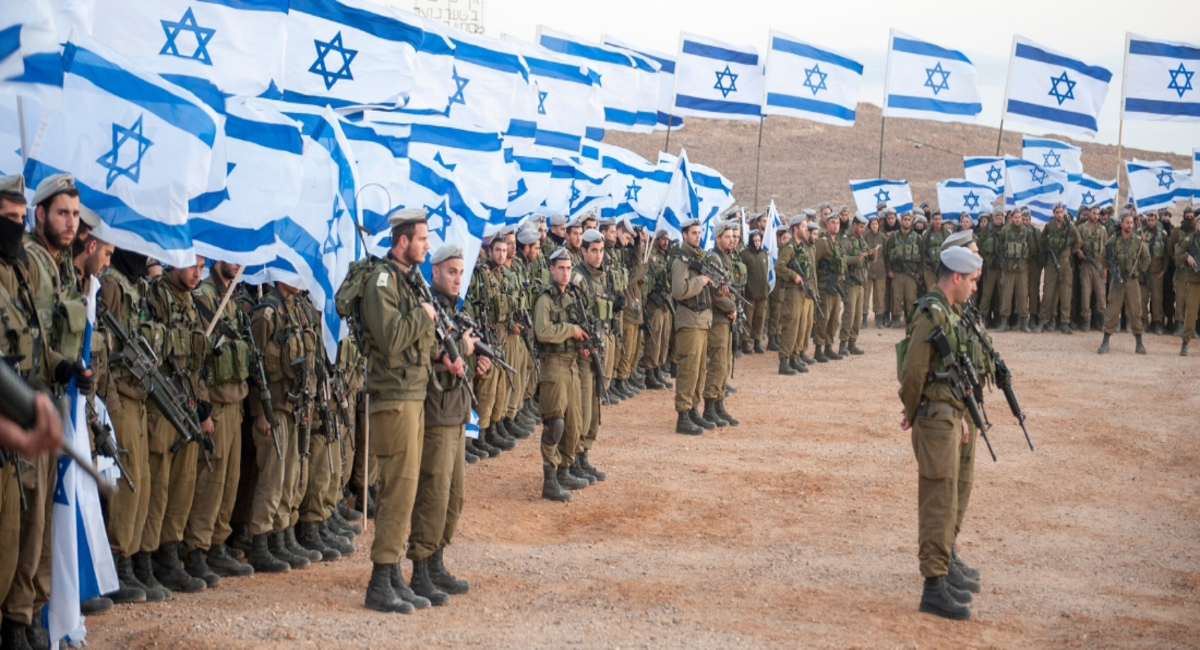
[[870, 193], [717, 80], [988, 170], [929, 82], [1053, 154], [1048, 88], [811, 83], [956, 196], [1158, 80]]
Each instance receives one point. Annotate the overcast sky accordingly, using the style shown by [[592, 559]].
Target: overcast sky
[[1093, 31]]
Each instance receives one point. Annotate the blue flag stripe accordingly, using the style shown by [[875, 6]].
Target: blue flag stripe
[[810, 105], [934, 105], [1051, 114], [374, 24], [1166, 50], [233, 238], [426, 177], [44, 68], [717, 106], [557, 140], [582, 50], [927, 49], [279, 137], [810, 52], [618, 116], [719, 53], [207, 202], [521, 128], [667, 118], [10, 41], [488, 58], [398, 146], [446, 136], [556, 70], [1161, 107], [1037, 54], [1046, 144], [278, 6]]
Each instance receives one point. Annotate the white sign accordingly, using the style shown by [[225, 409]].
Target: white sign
[[466, 15]]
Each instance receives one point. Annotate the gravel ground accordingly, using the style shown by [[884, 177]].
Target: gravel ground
[[797, 528]]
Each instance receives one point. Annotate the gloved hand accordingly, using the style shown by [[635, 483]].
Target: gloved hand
[[203, 410], [84, 378], [619, 303]]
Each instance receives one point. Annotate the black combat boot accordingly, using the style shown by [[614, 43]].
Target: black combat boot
[[961, 596], [707, 425], [747, 347], [442, 579], [223, 564], [758, 347], [170, 573], [710, 413], [863, 324], [333, 540], [197, 567], [1140, 349], [310, 539], [878, 322], [799, 365], [673, 369], [239, 541], [962, 565], [785, 367], [143, 570], [468, 453], [806, 359], [1183, 349], [380, 595], [578, 472], [130, 590], [897, 322], [720, 409], [294, 547], [831, 355], [1023, 324], [404, 592], [842, 349], [262, 559], [937, 601], [568, 480], [1037, 329], [956, 579], [854, 349], [652, 381], [482, 448], [773, 343], [685, 425], [587, 467], [610, 396], [518, 428], [346, 524], [423, 586], [278, 546], [39, 637], [551, 490], [1086, 326], [819, 356], [664, 380], [493, 438], [1158, 328], [1065, 328], [12, 635], [1104, 345]]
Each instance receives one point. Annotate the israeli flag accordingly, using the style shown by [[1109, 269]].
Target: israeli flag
[[522, 127], [1028, 184], [1050, 89], [869, 193], [617, 75], [1196, 163], [1152, 187], [651, 80], [381, 156], [568, 97], [771, 242], [454, 216], [811, 83], [588, 191], [1088, 191], [10, 137], [139, 149], [929, 82], [81, 564], [664, 102], [716, 196], [959, 195], [1053, 154], [472, 430], [237, 45], [988, 170], [30, 64], [717, 80], [533, 184], [487, 74], [1158, 80], [266, 172], [349, 53], [681, 204], [638, 188], [436, 86]]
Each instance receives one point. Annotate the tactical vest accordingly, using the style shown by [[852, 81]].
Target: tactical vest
[[1156, 243], [1091, 241], [1127, 253], [1016, 244], [562, 306], [956, 335], [20, 336], [229, 359], [62, 310], [836, 262], [494, 295], [804, 261], [933, 249], [184, 337], [599, 302], [289, 338], [1058, 238], [701, 301], [136, 319]]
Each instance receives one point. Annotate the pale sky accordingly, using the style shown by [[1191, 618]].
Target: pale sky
[[1093, 31]]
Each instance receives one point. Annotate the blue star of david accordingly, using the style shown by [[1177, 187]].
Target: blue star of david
[[1187, 79], [808, 75], [542, 102], [1165, 179], [721, 77], [333, 243], [941, 85], [631, 192], [443, 211], [187, 24], [574, 193], [1037, 174], [883, 196], [1050, 160], [1088, 198], [994, 175], [111, 160], [1059, 95], [437, 158], [461, 82], [324, 48], [971, 201], [60, 490]]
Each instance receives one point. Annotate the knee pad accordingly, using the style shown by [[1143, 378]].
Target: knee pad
[[552, 431]]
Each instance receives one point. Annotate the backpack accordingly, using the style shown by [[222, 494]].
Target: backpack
[[348, 295]]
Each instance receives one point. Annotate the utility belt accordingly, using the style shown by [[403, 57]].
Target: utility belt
[[567, 360], [570, 346], [928, 409]]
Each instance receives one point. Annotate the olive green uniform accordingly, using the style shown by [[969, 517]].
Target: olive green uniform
[[349, 371], [660, 309], [903, 255], [554, 318], [592, 284], [931, 251], [1093, 241], [758, 289], [491, 302], [632, 315], [1152, 281], [720, 333], [831, 266], [320, 470], [1132, 257], [991, 249], [858, 256], [876, 289], [1176, 237], [1014, 287], [1189, 282], [693, 317], [1059, 243], [795, 323]]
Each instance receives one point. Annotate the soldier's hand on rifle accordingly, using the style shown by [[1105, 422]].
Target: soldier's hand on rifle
[[46, 432], [483, 364], [579, 334], [458, 368], [1191, 261], [891, 275], [263, 426], [429, 311], [468, 344], [516, 329], [798, 280], [207, 426], [705, 280], [723, 291], [732, 316], [1080, 255]]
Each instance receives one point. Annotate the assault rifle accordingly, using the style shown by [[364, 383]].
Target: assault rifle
[[1088, 258], [964, 382], [330, 427], [833, 284], [462, 322], [1194, 251], [719, 277], [443, 327], [1114, 267], [301, 401], [258, 379], [794, 265], [593, 344], [106, 443], [1002, 377]]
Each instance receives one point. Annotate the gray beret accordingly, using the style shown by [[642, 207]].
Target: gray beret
[[592, 236], [527, 236], [959, 238], [881, 206], [577, 222], [560, 253], [89, 217], [961, 260], [797, 220], [607, 221], [809, 212], [824, 205], [662, 233], [833, 215], [446, 252], [688, 223], [812, 225], [920, 217], [558, 220], [844, 208], [721, 226], [887, 211], [1025, 210], [537, 218], [401, 216], [52, 185], [781, 230], [14, 183], [859, 218]]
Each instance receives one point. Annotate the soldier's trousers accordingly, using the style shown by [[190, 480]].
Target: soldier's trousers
[[658, 342], [1191, 300], [396, 428], [1056, 292], [989, 287], [31, 580], [852, 315], [757, 313], [439, 499], [612, 348], [876, 292], [1014, 288], [127, 510], [1034, 289], [930, 279], [775, 309], [212, 505], [517, 356], [1152, 296], [827, 327], [691, 351], [795, 323], [589, 407], [10, 526], [1129, 296], [364, 468], [966, 474], [558, 397], [937, 441], [271, 511], [720, 357], [320, 475], [340, 450], [1091, 284], [889, 298], [632, 335], [904, 294], [172, 484], [489, 390]]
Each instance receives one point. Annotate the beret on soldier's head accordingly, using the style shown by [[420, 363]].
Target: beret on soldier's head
[[782, 230], [959, 238], [859, 218], [961, 260], [607, 222], [920, 217], [662, 233], [797, 220], [577, 222], [627, 224], [812, 225], [809, 212], [1025, 210], [887, 211], [89, 217], [824, 205], [536, 218], [401, 216], [592, 236], [755, 231], [881, 206], [688, 223], [52, 185], [721, 226], [446, 252], [844, 208], [833, 215], [527, 236], [558, 220], [14, 183], [560, 253], [1188, 212]]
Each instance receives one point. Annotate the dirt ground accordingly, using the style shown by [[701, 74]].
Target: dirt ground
[[795, 529]]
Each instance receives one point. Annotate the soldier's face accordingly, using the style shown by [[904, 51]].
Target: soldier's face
[[1152, 221], [935, 222], [531, 252], [692, 236], [728, 240], [859, 228], [447, 276], [560, 231], [418, 246], [784, 239], [560, 272], [593, 254], [1126, 225], [964, 222], [756, 242], [574, 237], [59, 224], [1058, 215], [14, 212], [189, 276], [891, 219], [498, 252], [226, 270], [610, 234], [98, 259], [998, 219], [905, 222], [833, 226], [662, 243]]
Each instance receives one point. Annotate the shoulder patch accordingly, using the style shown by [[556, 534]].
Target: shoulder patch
[[382, 280]]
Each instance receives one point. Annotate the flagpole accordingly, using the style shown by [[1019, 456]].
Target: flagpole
[[224, 301], [1121, 121], [21, 129], [887, 73], [1007, 84], [758, 161]]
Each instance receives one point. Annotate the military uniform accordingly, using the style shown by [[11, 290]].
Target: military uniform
[[693, 316], [903, 257], [831, 267], [720, 336], [1093, 241], [1173, 240], [592, 284], [1036, 263], [660, 312], [931, 249], [853, 247], [1015, 251], [1189, 284], [798, 306], [991, 249], [632, 315], [875, 293], [1130, 255], [758, 293], [1059, 243], [491, 302], [555, 316], [1152, 281]]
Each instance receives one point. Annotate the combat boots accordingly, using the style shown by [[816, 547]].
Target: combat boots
[[380, 595], [262, 559], [773, 343], [937, 601], [785, 367], [819, 356], [197, 567], [1183, 349], [496, 441], [1002, 326], [404, 592], [855, 350], [332, 539], [569, 481], [1104, 345], [685, 425], [310, 539], [1037, 329], [666, 375], [442, 579], [130, 590], [551, 490], [587, 467], [278, 547], [720, 409], [878, 322], [747, 347], [1086, 325], [652, 380], [1065, 328], [12, 635], [293, 547], [469, 453], [799, 365], [347, 523], [576, 471], [842, 351], [170, 573], [1023, 323], [1140, 349], [831, 355], [710, 413], [517, 429], [962, 565], [143, 570], [424, 587], [708, 425], [863, 324], [223, 564], [955, 578], [758, 347]]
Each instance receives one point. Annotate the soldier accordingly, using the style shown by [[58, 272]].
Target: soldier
[[1186, 227], [575, 240], [590, 281], [1037, 262], [1060, 243], [775, 308], [903, 255], [936, 416], [349, 375], [660, 312], [757, 260], [991, 249], [931, 248], [831, 266], [720, 332], [1092, 276], [630, 249], [1015, 252], [1187, 259], [858, 256], [515, 351], [439, 496], [1126, 255], [228, 364], [556, 320], [492, 304], [693, 316], [794, 272], [617, 278], [875, 293], [1152, 281], [533, 273]]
